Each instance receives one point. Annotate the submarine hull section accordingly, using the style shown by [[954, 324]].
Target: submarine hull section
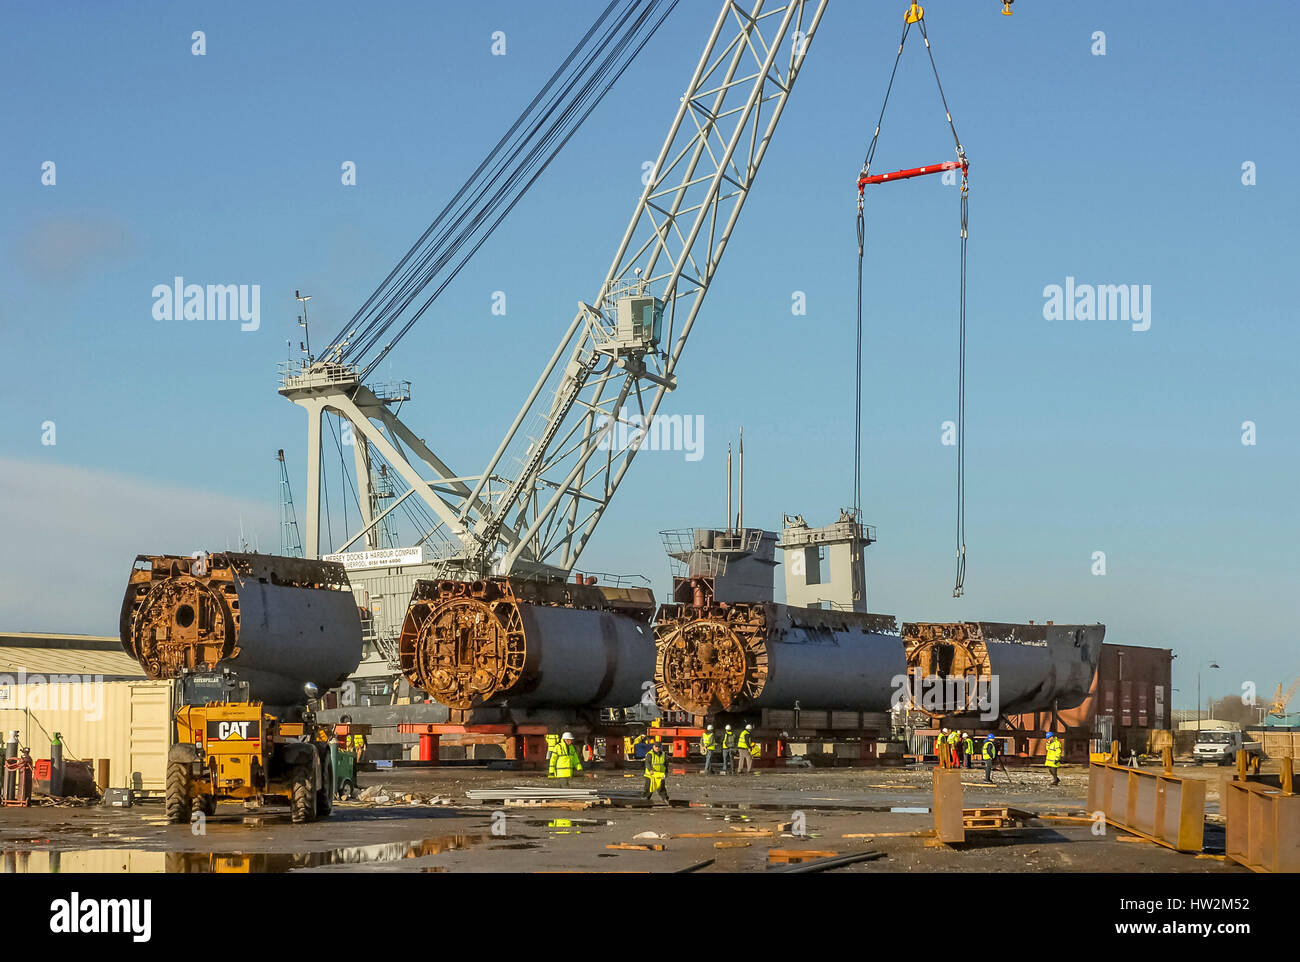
[[277, 623], [526, 644]]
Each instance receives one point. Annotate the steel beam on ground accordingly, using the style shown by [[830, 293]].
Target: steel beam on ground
[[1162, 808], [1262, 829], [949, 822]]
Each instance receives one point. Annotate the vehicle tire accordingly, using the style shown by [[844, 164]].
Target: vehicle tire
[[302, 797], [178, 802], [206, 804], [325, 796], [346, 789]]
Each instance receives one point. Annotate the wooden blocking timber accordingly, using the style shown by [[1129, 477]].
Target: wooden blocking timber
[[787, 856]]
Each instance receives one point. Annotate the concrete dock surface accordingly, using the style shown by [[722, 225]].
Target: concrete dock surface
[[716, 824]]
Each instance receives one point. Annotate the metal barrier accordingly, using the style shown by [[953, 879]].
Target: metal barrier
[[1158, 806], [1263, 824], [949, 825]]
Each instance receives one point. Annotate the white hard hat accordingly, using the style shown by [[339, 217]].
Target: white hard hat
[[710, 728], [728, 728], [567, 736], [749, 728], [945, 730]]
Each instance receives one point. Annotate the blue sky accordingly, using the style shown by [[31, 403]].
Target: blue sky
[[1082, 436]]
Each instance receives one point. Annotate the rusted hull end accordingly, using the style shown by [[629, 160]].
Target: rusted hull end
[[276, 622], [742, 657], [1036, 667], [523, 643]]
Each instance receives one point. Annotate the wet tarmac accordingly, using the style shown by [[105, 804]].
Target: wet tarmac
[[720, 823]]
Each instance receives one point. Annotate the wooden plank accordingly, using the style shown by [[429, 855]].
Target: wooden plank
[[733, 843], [721, 835], [922, 834], [627, 847], [971, 824], [785, 856]]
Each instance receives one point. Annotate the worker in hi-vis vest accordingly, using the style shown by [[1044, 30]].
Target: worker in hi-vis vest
[[990, 753], [565, 759], [1055, 752], [745, 746], [656, 772], [709, 745], [357, 744], [967, 749], [728, 748]]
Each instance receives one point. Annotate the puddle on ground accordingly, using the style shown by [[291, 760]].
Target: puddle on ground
[[41, 861]]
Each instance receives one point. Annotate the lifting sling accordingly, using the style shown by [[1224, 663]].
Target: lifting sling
[[916, 16]]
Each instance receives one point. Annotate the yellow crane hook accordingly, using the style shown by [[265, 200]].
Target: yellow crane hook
[[914, 13], [1006, 8]]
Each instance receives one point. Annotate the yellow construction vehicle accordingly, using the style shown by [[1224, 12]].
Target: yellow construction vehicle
[[245, 637], [229, 747]]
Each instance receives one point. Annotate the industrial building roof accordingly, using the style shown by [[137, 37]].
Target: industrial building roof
[[36, 653]]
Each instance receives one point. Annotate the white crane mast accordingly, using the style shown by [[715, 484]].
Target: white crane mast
[[546, 487]]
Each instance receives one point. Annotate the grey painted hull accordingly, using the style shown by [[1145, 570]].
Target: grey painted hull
[[849, 671], [583, 658], [290, 636], [1042, 667]]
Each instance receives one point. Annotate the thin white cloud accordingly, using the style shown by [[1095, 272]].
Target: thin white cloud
[[63, 247], [70, 535]]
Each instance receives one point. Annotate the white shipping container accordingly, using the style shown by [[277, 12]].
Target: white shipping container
[[126, 722]]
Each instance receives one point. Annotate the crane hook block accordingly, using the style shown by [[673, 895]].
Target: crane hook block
[[961, 165], [915, 13]]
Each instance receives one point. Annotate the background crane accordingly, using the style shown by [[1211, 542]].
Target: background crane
[[1283, 698]]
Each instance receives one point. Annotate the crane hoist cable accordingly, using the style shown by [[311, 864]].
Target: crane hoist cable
[[915, 16], [501, 180]]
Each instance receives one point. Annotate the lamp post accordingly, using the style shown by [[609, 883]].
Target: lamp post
[[1204, 664]]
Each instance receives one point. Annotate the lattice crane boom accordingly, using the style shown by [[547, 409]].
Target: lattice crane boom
[[620, 352], [533, 508]]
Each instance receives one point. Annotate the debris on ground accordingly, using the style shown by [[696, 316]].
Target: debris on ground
[[377, 795]]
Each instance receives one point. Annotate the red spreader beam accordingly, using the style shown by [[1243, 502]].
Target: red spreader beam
[[912, 172]]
